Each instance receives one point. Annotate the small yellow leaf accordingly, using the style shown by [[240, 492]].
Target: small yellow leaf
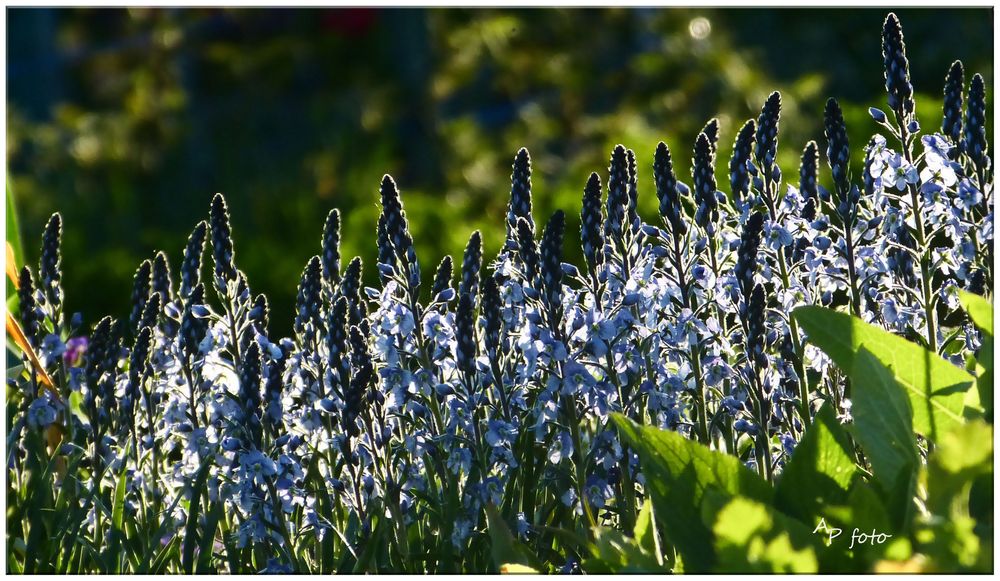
[[12, 267], [517, 569], [916, 564]]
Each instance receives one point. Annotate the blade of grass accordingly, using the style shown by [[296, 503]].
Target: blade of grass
[[194, 511]]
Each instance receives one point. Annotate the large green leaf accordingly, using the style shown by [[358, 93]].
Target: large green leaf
[[884, 426], [679, 473], [979, 309], [960, 458], [751, 537], [506, 548], [616, 553], [820, 472], [936, 388]]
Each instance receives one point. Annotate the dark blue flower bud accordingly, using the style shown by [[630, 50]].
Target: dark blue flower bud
[[31, 319], [527, 250], [897, 70], [632, 205], [520, 193], [551, 259], [954, 87], [387, 271], [651, 231], [442, 280], [746, 261], [739, 174], [617, 201], [703, 175], [838, 155], [766, 143], [570, 270], [755, 327], [591, 216], [350, 288], [472, 262], [191, 265], [50, 269], [331, 248], [151, 311], [222, 243], [140, 293], [250, 393], [137, 365], [308, 320], [465, 336], [711, 131], [230, 444], [669, 191], [160, 281], [975, 144]]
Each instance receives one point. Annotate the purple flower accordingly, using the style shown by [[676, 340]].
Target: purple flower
[[75, 349]]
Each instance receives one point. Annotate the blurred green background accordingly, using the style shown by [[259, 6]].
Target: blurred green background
[[128, 121]]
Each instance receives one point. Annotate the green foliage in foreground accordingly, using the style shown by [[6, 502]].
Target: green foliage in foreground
[[855, 497]]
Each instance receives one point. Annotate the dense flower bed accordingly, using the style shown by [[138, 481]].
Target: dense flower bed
[[402, 425]]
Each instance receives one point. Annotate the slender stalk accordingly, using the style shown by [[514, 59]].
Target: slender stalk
[[922, 244]]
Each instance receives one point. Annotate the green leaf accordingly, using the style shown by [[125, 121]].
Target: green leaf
[[163, 557], [645, 531], [207, 540], [117, 518], [884, 427], [194, 511], [76, 407], [751, 537], [613, 552], [678, 473], [979, 309], [371, 547], [960, 458], [984, 376], [13, 225], [865, 510], [936, 388], [952, 546], [981, 313], [505, 547], [14, 238], [821, 470]]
